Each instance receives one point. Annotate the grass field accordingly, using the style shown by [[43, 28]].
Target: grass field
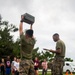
[[49, 73]]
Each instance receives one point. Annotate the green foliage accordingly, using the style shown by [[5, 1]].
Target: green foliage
[[47, 55], [35, 52], [6, 40], [16, 48], [69, 59], [8, 47], [42, 55]]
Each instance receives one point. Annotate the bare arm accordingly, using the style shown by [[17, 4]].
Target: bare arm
[[31, 27], [21, 28], [54, 51]]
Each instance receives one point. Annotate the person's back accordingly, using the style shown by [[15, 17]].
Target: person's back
[[27, 45]]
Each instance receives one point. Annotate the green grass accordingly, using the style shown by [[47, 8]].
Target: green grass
[[49, 73]]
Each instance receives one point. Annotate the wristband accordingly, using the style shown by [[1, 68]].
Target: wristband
[[21, 21]]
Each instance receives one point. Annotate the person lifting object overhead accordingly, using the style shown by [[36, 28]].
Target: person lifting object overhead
[[27, 45]]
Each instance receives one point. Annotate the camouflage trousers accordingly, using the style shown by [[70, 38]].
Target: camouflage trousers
[[26, 67], [57, 66]]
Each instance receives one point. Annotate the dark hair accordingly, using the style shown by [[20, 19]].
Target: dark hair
[[56, 34], [29, 32]]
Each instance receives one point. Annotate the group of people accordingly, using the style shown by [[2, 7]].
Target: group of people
[[27, 44], [15, 66], [26, 66], [44, 65], [7, 66]]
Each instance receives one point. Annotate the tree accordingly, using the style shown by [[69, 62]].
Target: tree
[[6, 40], [69, 59], [42, 55], [16, 48], [47, 55], [35, 53]]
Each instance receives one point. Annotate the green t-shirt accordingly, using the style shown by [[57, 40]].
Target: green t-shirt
[[27, 46], [60, 45]]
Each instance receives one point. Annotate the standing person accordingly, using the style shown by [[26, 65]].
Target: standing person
[[36, 65], [58, 62], [16, 67], [2, 67], [13, 63], [27, 45], [44, 66], [8, 65]]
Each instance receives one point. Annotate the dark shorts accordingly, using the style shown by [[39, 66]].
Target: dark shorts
[[8, 70], [16, 73], [35, 68]]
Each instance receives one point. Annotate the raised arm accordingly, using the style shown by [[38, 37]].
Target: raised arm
[[21, 28], [21, 25], [31, 27]]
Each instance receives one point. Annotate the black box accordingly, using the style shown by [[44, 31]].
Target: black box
[[28, 18]]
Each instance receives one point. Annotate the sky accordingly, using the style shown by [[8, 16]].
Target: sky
[[51, 16]]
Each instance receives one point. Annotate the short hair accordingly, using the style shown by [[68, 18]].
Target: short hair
[[56, 34], [29, 32]]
